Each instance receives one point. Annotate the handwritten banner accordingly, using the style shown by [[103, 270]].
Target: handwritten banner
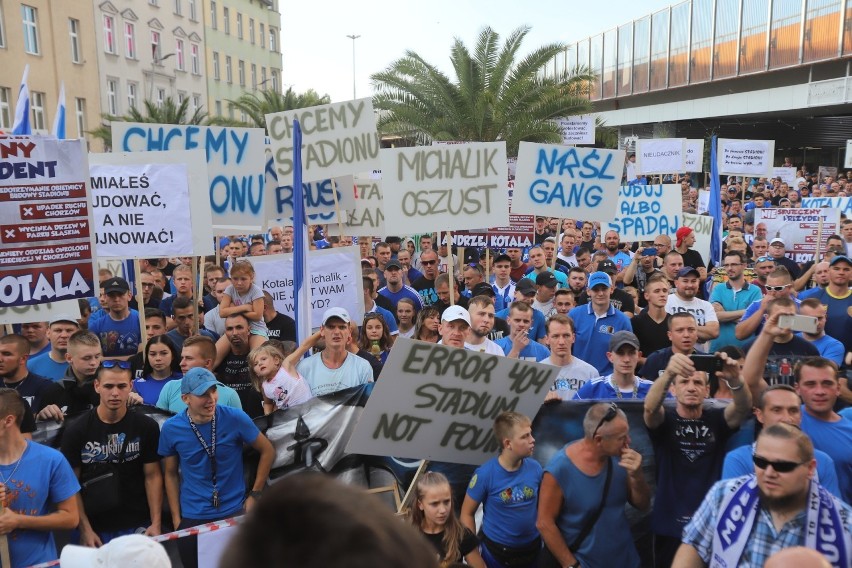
[[798, 227], [825, 171], [645, 211], [439, 403], [745, 157], [335, 281], [787, 175], [574, 183], [450, 187], [337, 140], [660, 155], [577, 129], [367, 217], [319, 198], [848, 162], [46, 248], [518, 234], [151, 204], [235, 165], [40, 312], [843, 204], [694, 155], [703, 227]]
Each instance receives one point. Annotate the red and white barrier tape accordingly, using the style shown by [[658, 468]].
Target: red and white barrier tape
[[175, 535]]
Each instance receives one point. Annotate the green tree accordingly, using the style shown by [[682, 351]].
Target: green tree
[[167, 113], [494, 96], [258, 105]]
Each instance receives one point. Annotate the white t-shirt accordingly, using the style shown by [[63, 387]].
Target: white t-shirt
[[285, 390], [322, 380], [571, 377], [488, 347], [409, 334], [701, 309], [546, 309]]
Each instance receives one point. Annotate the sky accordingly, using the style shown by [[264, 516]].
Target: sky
[[318, 54]]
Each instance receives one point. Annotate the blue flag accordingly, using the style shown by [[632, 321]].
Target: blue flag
[[301, 245], [22, 125], [59, 120], [715, 207]]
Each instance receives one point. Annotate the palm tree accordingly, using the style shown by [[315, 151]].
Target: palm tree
[[493, 97], [257, 106], [167, 113]]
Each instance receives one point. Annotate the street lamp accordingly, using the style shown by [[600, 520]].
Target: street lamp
[[353, 38]]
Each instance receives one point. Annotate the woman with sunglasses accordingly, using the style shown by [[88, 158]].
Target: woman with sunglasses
[[162, 364], [428, 321], [375, 336]]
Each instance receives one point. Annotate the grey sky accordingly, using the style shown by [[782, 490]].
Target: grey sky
[[318, 55]]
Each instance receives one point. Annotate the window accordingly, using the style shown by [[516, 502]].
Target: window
[[2, 30], [74, 36], [195, 62], [29, 16], [109, 34], [196, 102], [239, 25], [178, 7], [216, 65], [161, 97], [193, 10], [80, 115], [231, 111], [218, 108], [263, 78], [275, 80], [131, 95], [156, 53], [273, 39], [251, 30], [213, 22], [130, 40], [262, 33], [112, 97], [254, 76], [226, 20], [180, 62], [242, 71], [5, 107], [181, 97], [228, 73], [37, 102]]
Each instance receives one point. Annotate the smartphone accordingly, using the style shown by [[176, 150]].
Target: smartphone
[[706, 363], [807, 324]]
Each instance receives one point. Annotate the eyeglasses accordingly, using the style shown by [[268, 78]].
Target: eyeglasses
[[779, 466], [112, 363], [659, 245], [608, 417], [776, 288]]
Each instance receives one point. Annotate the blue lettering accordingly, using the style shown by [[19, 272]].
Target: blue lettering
[[168, 139], [191, 132], [579, 195], [216, 143], [135, 131], [241, 143], [219, 205], [155, 143]]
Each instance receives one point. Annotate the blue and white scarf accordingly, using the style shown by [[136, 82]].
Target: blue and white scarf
[[823, 525]]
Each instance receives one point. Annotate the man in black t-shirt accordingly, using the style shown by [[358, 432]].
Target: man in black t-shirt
[[112, 438], [234, 370], [280, 326], [36, 390], [425, 285]]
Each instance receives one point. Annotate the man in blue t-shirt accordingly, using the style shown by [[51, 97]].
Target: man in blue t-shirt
[[519, 344], [395, 288], [118, 330], [525, 293], [195, 440], [53, 364], [596, 322]]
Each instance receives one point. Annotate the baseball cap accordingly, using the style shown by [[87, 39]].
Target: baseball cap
[[392, 240], [393, 264], [198, 381], [682, 233], [525, 286], [454, 313], [620, 338], [116, 284], [599, 278], [482, 289], [777, 240], [687, 270], [129, 551], [546, 279], [607, 266], [62, 318], [502, 258], [649, 251], [840, 258], [338, 313]]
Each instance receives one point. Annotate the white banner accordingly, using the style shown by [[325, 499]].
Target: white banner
[[843, 204], [235, 165], [703, 227], [694, 155], [645, 211], [429, 188], [40, 312], [151, 204], [574, 183], [577, 129], [436, 402], [335, 281], [745, 157], [337, 140], [703, 201], [660, 155], [367, 217], [798, 227], [319, 199], [848, 162], [787, 175]]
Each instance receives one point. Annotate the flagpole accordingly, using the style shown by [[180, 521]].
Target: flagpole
[[301, 277]]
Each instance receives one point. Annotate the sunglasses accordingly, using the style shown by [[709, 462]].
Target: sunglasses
[[428, 262], [765, 259], [112, 363], [611, 413], [776, 288], [779, 466]]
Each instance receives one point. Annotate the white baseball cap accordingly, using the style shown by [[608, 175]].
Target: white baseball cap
[[338, 313], [454, 313], [129, 551]]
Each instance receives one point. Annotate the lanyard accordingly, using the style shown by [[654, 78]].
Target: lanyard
[[210, 450]]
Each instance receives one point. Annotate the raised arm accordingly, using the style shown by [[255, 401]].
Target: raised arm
[[290, 362], [654, 414], [740, 410]]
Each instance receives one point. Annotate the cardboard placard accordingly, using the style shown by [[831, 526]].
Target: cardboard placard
[[843, 204], [40, 312], [703, 227], [787, 175], [745, 157], [694, 156], [798, 227], [645, 211], [660, 155], [577, 129]]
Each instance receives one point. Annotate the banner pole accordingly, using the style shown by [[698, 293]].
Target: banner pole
[[5, 558], [336, 206], [819, 240], [559, 231], [487, 265], [450, 267], [140, 302], [196, 270]]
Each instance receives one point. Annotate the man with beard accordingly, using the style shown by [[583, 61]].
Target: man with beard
[[425, 285], [234, 370], [684, 300], [481, 312], [779, 284], [763, 267], [731, 299], [573, 371], [613, 251], [577, 279]]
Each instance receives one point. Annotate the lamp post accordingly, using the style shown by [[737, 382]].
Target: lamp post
[[353, 38]]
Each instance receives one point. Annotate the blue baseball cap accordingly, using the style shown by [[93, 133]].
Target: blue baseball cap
[[198, 381], [598, 279]]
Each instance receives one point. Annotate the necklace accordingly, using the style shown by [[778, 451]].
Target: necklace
[[618, 390], [8, 478]]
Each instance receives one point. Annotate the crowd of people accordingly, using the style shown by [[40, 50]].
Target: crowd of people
[[706, 347]]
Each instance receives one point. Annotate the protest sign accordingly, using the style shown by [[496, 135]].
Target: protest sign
[[798, 228], [151, 204], [39, 312], [235, 165], [517, 234], [366, 218], [660, 155], [645, 211], [703, 227], [574, 183], [461, 186], [577, 129], [848, 162], [335, 281], [46, 248], [337, 139], [319, 198], [825, 171], [745, 157], [787, 175], [703, 201], [694, 156], [439, 403], [843, 204]]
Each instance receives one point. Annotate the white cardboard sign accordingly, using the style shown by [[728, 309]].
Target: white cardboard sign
[[745, 157], [577, 129], [798, 228], [660, 155], [694, 155], [40, 312], [703, 227], [645, 211], [787, 175]]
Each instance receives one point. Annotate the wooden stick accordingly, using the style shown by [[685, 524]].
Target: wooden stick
[[218, 251], [406, 500], [487, 265], [140, 302], [337, 207], [5, 558], [196, 268], [557, 241], [450, 267], [819, 240]]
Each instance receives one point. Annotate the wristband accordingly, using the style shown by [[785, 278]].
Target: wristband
[[736, 388]]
